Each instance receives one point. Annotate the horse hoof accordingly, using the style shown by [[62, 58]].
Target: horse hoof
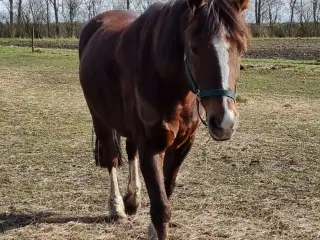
[[131, 204], [116, 209], [152, 233], [116, 216]]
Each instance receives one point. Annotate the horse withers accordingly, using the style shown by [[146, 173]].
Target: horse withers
[[153, 79]]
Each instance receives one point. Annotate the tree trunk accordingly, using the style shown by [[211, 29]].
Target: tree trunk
[[19, 20], [258, 12], [271, 20], [315, 16], [301, 18], [48, 18], [292, 7], [56, 16], [11, 11], [11, 18]]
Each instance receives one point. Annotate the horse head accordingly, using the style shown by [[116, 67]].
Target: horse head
[[215, 38]]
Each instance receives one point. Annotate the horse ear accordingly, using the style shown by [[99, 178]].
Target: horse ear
[[243, 5], [194, 4]]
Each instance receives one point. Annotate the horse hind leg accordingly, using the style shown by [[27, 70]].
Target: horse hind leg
[[132, 199], [115, 203], [108, 157]]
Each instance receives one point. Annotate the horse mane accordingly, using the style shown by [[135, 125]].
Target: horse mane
[[157, 31]]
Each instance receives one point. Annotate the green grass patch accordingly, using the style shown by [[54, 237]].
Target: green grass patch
[[45, 58], [281, 77]]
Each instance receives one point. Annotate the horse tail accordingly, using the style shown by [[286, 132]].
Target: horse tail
[[116, 140], [98, 154]]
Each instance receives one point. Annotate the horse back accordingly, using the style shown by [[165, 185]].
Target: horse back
[[110, 21]]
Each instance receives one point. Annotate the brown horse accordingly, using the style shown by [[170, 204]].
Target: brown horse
[[151, 79]]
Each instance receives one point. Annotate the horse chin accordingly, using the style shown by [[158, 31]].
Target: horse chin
[[219, 134]]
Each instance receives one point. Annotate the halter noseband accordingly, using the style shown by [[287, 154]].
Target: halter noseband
[[203, 93]]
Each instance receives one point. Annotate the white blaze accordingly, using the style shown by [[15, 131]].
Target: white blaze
[[222, 48]]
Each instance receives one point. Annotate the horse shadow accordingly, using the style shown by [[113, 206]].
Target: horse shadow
[[15, 220]]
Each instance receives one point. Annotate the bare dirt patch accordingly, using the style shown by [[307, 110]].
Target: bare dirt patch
[[285, 48]]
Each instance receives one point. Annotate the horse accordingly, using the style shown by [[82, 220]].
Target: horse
[[153, 78]]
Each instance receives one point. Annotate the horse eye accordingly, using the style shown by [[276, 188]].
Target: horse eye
[[194, 50]]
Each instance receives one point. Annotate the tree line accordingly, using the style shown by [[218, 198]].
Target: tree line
[[285, 18], [64, 18]]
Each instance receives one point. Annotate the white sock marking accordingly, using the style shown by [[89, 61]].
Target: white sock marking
[[116, 206], [134, 185]]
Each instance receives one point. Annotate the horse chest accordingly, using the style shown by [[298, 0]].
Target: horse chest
[[186, 122]]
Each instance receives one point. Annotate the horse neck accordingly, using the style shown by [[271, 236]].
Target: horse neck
[[158, 56], [167, 38], [176, 78]]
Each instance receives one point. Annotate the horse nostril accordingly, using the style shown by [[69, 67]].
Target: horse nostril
[[213, 122]]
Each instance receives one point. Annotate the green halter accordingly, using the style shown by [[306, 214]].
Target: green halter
[[203, 93]]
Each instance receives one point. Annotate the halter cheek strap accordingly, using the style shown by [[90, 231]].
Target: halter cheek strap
[[203, 93]]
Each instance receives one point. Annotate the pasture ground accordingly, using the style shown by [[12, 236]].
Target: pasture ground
[[263, 184]]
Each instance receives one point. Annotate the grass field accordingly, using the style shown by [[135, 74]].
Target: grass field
[[263, 184]]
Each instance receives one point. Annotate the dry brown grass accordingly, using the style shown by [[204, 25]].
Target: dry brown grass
[[264, 184]]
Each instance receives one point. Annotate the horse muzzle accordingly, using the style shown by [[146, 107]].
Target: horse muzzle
[[219, 130]]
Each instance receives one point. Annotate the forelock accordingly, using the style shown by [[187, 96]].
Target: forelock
[[216, 15]]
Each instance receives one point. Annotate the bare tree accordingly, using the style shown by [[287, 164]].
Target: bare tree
[[38, 14], [274, 10], [316, 15], [9, 5], [26, 19], [260, 10], [55, 4], [48, 16], [11, 11], [70, 10], [19, 18], [92, 7], [292, 5], [115, 4]]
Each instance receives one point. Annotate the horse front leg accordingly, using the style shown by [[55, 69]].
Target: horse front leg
[[172, 163], [151, 165]]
